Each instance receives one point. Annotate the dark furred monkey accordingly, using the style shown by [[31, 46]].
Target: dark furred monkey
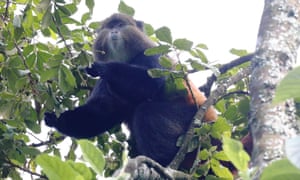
[[126, 93]]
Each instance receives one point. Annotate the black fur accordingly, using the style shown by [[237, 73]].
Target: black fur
[[126, 93]]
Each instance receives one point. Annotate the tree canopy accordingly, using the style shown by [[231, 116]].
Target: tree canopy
[[43, 51]]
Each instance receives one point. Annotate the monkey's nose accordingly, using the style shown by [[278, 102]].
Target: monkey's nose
[[114, 35]]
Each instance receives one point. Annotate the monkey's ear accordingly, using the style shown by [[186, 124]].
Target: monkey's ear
[[140, 25]]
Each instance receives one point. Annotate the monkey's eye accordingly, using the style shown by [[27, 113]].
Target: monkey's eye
[[120, 24]]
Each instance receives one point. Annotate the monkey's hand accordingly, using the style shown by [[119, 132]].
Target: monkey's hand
[[50, 119], [97, 69]]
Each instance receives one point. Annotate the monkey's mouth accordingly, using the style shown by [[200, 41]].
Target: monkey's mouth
[[114, 37]]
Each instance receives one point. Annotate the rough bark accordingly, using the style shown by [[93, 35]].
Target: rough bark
[[276, 53]]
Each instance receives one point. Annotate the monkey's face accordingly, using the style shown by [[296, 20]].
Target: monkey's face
[[120, 38]]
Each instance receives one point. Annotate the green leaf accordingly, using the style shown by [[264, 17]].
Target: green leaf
[[68, 9], [85, 17], [236, 153], [166, 62], [48, 74], [82, 169], [158, 73], [162, 49], [43, 5], [220, 127], [199, 54], [47, 17], [221, 156], [58, 21], [204, 154], [220, 170], [238, 52], [183, 44], [124, 8], [66, 79], [55, 169], [92, 155], [289, 87], [202, 46], [279, 170], [149, 30], [164, 34], [90, 4]]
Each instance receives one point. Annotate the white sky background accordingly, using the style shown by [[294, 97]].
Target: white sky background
[[220, 24]]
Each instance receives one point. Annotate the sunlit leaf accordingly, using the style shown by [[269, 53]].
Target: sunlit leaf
[[92, 155], [55, 169], [220, 170], [124, 8], [183, 44], [236, 153], [164, 34], [90, 4], [82, 169], [162, 49], [239, 52]]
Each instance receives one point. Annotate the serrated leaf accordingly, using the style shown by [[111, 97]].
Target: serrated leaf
[[279, 170], [89, 152], [90, 4], [289, 87], [162, 49], [124, 8], [183, 44], [164, 34], [55, 169], [236, 153]]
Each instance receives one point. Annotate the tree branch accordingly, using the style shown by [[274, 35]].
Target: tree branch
[[220, 91], [223, 69], [152, 170]]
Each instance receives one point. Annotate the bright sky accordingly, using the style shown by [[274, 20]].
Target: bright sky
[[220, 24]]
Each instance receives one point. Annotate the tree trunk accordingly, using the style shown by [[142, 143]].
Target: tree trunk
[[276, 53]]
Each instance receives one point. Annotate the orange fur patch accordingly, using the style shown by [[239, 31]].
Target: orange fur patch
[[194, 94]]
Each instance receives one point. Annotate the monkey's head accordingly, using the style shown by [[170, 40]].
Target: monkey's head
[[120, 38]]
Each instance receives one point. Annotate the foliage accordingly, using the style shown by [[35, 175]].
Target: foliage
[[288, 87], [43, 47]]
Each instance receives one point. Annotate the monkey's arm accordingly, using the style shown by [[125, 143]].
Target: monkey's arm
[[101, 112], [129, 81]]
